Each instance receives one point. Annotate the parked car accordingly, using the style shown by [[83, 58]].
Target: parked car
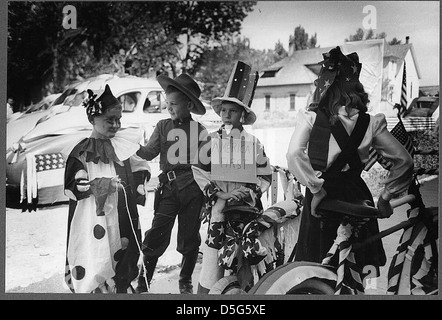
[[424, 106], [66, 123], [43, 104], [22, 122]]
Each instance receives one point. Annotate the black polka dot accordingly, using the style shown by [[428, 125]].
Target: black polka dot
[[99, 232], [78, 272]]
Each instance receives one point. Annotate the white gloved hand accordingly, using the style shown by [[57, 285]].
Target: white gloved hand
[[140, 189], [81, 178]]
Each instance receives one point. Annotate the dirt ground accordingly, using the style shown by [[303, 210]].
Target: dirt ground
[[36, 243]]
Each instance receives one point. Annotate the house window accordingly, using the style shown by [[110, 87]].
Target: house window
[[267, 102], [292, 102]]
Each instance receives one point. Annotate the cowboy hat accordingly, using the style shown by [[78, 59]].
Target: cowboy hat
[[186, 85]]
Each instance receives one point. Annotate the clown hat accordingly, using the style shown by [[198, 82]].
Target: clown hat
[[97, 106], [240, 89], [186, 85], [107, 99]]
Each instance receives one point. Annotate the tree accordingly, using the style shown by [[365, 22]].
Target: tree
[[279, 52], [301, 41], [370, 34], [361, 35], [358, 36], [112, 37], [394, 41], [312, 41], [29, 36], [214, 71], [198, 25]]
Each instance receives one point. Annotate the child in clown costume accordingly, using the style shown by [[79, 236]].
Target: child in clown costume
[[219, 253], [104, 181]]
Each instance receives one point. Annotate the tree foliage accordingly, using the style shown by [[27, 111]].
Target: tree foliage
[[300, 39], [394, 41], [368, 35], [138, 38], [217, 64], [279, 52]]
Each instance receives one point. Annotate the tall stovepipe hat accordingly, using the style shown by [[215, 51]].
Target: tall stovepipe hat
[[241, 90]]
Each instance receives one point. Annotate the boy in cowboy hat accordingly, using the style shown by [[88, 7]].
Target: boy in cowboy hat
[[176, 140], [234, 108]]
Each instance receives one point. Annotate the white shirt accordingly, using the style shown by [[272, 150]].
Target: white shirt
[[376, 135]]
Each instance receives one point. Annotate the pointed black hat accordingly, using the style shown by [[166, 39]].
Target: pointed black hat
[[97, 106]]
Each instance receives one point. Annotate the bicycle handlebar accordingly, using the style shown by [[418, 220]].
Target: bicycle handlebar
[[328, 206], [405, 199]]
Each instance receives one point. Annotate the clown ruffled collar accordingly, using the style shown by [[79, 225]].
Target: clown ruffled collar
[[117, 149]]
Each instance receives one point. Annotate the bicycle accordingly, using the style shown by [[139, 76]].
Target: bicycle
[[413, 269], [277, 228]]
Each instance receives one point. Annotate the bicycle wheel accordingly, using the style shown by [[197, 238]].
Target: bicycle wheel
[[313, 286], [227, 285], [297, 278]]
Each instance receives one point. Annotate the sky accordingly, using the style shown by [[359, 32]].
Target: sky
[[334, 21]]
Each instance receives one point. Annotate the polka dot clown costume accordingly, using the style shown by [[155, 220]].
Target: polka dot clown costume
[[104, 181]]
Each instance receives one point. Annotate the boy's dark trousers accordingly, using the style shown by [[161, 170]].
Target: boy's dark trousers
[[186, 203]]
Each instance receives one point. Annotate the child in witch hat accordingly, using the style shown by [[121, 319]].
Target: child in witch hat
[[235, 110], [338, 121], [104, 180], [177, 195]]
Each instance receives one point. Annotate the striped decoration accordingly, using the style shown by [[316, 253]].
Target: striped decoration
[[413, 123], [402, 136], [404, 89], [348, 274], [408, 269], [397, 263]]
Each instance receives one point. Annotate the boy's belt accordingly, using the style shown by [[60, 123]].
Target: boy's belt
[[171, 175]]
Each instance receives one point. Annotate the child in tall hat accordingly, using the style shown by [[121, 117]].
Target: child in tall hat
[[104, 180], [327, 153], [219, 254]]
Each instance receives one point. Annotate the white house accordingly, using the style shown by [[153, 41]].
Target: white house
[[396, 58], [287, 86]]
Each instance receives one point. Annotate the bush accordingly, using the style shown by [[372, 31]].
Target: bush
[[375, 179], [426, 141], [423, 140]]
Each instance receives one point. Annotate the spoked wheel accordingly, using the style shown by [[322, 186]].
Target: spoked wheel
[[227, 285], [302, 278]]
